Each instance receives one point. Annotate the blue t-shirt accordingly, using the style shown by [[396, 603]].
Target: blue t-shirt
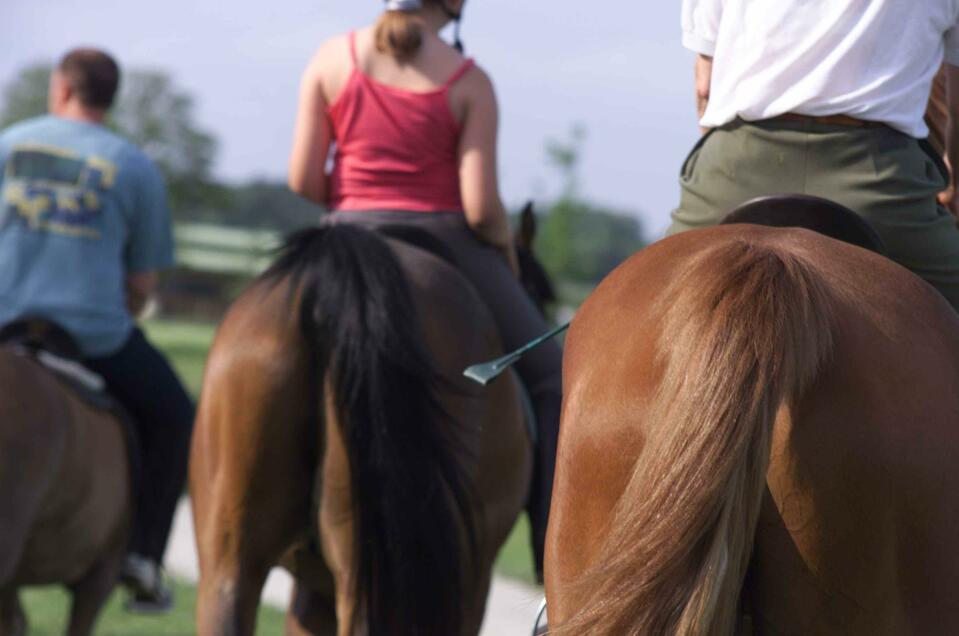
[[80, 208]]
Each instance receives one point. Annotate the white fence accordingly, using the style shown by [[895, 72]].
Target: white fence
[[224, 250]]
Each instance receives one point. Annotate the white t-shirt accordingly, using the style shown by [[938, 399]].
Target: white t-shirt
[[869, 59]]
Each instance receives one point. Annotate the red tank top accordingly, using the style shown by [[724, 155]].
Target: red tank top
[[395, 149]]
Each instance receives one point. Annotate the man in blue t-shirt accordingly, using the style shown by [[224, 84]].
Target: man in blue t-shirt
[[84, 228]]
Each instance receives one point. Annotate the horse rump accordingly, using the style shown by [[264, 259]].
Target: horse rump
[[747, 326], [412, 502]]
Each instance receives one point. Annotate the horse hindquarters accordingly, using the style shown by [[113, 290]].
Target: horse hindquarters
[[252, 459], [748, 326], [32, 444], [335, 314], [62, 465], [408, 493]]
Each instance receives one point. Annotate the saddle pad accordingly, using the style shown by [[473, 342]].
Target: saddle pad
[[84, 383], [72, 371]]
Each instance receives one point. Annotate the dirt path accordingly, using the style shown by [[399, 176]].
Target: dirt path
[[510, 611]]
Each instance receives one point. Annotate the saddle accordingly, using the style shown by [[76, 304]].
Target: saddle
[[419, 239], [54, 348], [812, 213]]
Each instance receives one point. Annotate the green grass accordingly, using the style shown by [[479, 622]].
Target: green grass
[[48, 609], [515, 559], [187, 344]]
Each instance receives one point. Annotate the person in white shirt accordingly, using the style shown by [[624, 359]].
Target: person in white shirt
[[827, 97]]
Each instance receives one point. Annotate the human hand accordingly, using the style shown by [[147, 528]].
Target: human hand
[[949, 198]]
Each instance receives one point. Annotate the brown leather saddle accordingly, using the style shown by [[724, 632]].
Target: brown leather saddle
[[812, 213]]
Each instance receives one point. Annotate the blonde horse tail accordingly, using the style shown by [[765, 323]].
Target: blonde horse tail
[[747, 327]]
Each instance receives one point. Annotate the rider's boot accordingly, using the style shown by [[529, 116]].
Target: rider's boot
[[150, 592]]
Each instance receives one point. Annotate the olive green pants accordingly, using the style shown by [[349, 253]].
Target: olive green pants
[[887, 177]]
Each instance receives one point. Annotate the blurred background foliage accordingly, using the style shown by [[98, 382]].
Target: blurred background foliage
[[578, 241]]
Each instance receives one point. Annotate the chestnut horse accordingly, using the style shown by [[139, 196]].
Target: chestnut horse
[[760, 434], [65, 496], [336, 436]]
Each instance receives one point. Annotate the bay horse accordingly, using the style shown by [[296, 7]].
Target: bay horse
[[65, 494], [760, 434], [336, 436], [532, 274]]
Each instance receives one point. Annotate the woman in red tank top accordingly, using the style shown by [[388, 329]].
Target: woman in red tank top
[[413, 125]]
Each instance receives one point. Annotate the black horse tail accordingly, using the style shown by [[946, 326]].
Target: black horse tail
[[414, 531]]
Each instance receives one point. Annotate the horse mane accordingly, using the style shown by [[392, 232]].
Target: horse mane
[[414, 534], [747, 326]]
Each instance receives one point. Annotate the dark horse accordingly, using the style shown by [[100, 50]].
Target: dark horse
[[65, 496], [760, 434], [336, 436], [532, 275]]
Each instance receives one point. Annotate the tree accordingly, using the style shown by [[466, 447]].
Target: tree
[[152, 112], [158, 117], [25, 96], [580, 241], [263, 205], [565, 157]]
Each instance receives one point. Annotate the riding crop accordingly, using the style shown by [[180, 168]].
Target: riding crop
[[485, 372]]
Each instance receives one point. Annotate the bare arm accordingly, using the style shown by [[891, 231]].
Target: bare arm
[[704, 75], [139, 288], [479, 186], [311, 137], [950, 198], [937, 113]]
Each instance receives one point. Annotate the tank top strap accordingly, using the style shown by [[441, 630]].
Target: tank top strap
[[460, 72], [356, 63]]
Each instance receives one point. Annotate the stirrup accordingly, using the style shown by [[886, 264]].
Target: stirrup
[[541, 626]]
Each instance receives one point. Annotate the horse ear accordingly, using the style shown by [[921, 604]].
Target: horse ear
[[527, 224]]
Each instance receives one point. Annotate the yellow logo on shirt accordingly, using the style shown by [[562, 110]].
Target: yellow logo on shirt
[[56, 190]]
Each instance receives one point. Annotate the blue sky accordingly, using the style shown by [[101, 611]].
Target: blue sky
[[616, 66]]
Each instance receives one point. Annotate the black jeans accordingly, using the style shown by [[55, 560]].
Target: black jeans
[[141, 379]]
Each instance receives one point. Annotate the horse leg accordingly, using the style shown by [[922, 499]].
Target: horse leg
[[323, 602], [24, 460], [242, 528], [474, 609], [240, 536], [227, 600], [312, 610], [19, 509], [13, 622], [252, 465], [92, 591]]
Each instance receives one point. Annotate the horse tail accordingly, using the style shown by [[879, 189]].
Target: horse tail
[[746, 328], [412, 503]]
